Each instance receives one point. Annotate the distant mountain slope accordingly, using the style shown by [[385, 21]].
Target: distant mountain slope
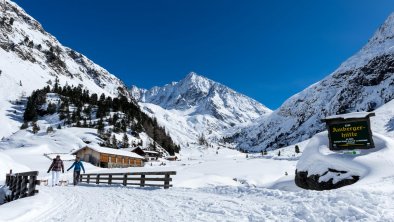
[[31, 58], [362, 83], [197, 105], [383, 122]]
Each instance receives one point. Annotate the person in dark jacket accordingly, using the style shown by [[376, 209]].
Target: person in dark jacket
[[56, 167], [77, 170]]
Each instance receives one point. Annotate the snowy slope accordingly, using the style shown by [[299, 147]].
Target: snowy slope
[[364, 82], [383, 122], [31, 58], [370, 165], [197, 105]]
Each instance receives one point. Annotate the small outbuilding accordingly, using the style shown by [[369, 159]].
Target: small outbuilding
[[151, 155], [108, 157], [138, 150], [171, 158]]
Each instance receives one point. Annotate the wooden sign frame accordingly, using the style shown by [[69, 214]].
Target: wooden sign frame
[[351, 129]]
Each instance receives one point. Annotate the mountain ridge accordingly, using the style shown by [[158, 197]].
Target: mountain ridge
[[364, 82]]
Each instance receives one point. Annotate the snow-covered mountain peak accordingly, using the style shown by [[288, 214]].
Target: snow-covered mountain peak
[[194, 91], [385, 31], [192, 76], [381, 43], [201, 104], [196, 82]]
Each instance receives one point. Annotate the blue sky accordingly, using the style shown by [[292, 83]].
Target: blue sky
[[267, 50]]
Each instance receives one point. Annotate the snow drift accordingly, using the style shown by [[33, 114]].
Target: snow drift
[[319, 168]]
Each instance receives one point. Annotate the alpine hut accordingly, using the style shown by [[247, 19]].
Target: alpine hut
[[109, 157]]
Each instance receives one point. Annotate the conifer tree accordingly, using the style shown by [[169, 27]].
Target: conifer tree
[[100, 127], [51, 109], [30, 111], [36, 128], [56, 86], [114, 141], [202, 140], [50, 129], [125, 141], [297, 149], [25, 125]]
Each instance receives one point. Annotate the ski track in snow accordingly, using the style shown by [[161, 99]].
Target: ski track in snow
[[212, 204]]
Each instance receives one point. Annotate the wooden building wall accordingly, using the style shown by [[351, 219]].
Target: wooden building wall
[[108, 160]]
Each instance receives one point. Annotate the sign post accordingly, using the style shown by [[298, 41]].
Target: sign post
[[350, 131]]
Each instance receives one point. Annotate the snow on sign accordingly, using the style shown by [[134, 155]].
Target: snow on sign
[[350, 131]]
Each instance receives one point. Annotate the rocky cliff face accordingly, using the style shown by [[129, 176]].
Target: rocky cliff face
[[362, 83]]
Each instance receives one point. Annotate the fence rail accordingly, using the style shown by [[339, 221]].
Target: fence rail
[[141, 179], [21, 184]]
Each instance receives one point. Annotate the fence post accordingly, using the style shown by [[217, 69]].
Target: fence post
[[32, 185], [142, 180], [98, 179], [7, 179], [18, 187], [88, 179], [167, 181], [24, 186], [125, 179], [12, 187], [110, 179]]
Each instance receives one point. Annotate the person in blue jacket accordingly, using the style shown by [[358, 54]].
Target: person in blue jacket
[[77, 170]]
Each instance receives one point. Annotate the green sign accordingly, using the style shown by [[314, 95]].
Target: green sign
[[350, 135]]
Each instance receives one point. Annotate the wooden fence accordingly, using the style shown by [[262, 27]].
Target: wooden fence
[[21, 184], [142, 179]]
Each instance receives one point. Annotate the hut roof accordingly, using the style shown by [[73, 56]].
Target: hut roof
[[110, 151], [152, 152], [354, 115]]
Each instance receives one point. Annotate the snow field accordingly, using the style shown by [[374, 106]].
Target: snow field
[[227, 203]]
